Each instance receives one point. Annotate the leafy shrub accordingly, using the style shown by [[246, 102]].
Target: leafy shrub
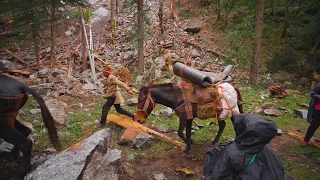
[[286, 60]]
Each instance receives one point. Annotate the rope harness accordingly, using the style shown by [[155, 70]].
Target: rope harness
[[147, 103]]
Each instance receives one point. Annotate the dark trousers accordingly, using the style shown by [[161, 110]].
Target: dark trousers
[[106, 107], [314, 125]]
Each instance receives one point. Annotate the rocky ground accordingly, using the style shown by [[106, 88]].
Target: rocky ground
[[181, 40]]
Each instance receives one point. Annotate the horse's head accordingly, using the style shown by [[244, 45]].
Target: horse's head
[[145, 104]]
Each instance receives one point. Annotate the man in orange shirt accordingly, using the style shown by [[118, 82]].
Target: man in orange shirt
[[113, 96]]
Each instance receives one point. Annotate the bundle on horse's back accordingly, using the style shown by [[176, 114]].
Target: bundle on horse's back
[[194, 75], [202, 78]]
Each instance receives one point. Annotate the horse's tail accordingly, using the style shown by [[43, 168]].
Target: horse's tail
[[47, 119], [239, 100]]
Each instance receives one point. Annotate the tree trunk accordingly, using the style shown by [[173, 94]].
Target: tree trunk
[[255, 64], [117, 7], [52, 34], [285, 21], [272, 7], [83, 44], [34, 37], [113, 23], [161, 17], [218, 11], [35, 42], [140, 36]]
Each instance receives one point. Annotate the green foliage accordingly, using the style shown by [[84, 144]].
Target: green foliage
[[286, 60]]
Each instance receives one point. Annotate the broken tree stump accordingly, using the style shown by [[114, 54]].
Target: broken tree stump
[[123, 122]]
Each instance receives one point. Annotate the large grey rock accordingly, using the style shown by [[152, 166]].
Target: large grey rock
[[132, 102], [195, 53], [5, 147], [300, 113], [272, 112], [108, 169], [167, 112], [159, 176], [142, 141], [81, 161], [57, 109]]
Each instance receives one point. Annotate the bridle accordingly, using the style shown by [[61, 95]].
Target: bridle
[[147, 103]]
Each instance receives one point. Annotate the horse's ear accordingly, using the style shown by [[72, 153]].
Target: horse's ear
[[150, 84]]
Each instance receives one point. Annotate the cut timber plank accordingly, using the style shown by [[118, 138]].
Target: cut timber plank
[[129, 123], [317, 144]]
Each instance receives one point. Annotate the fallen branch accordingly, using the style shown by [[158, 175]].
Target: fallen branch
[[129, 123], [317, 144], [15, 57]]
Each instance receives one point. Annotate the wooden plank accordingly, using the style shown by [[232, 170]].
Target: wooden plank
[[129, 123], [317, 144]]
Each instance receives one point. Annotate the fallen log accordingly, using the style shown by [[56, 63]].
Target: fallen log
[[129, 123], [23, 72], [15, 57], [317, 144]]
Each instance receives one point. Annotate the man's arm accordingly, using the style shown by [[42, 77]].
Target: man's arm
[[316, 92]]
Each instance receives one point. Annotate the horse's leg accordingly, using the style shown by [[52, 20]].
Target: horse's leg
[[182, 124], [14, 137], [222, 125], [24, 131], [188, 134]]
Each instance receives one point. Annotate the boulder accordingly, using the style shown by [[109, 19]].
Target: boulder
[[5, 147], [57, 109], [130, 134], [269, 105], [91, 158], [272, 112], [167, 112], [300, 113], [193, 29], [195, 53], [159, 176], [142, 141], [132, 102]]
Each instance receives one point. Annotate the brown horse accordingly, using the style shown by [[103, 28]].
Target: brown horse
[[13, 95], [167, 95]]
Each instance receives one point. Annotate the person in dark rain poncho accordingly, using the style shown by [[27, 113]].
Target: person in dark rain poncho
[[249, 157]]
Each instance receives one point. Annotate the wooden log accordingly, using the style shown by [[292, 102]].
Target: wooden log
[[19, 59], [317, 144], [129, 123], [24, 72]]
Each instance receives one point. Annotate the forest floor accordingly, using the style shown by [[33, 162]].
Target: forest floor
[[165, 158]]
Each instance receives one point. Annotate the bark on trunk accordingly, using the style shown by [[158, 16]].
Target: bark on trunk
[[113, 23], [35, 39], [285, 21], [161, 16], [117, 7], [83, 44], [140, 36], [218, 10], [255, 64], [52, 34], [272, 6]]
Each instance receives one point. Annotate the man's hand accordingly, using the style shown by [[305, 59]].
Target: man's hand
[[130, 92]]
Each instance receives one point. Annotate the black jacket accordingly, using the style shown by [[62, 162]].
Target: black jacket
[[315, 96], [232, 161]]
